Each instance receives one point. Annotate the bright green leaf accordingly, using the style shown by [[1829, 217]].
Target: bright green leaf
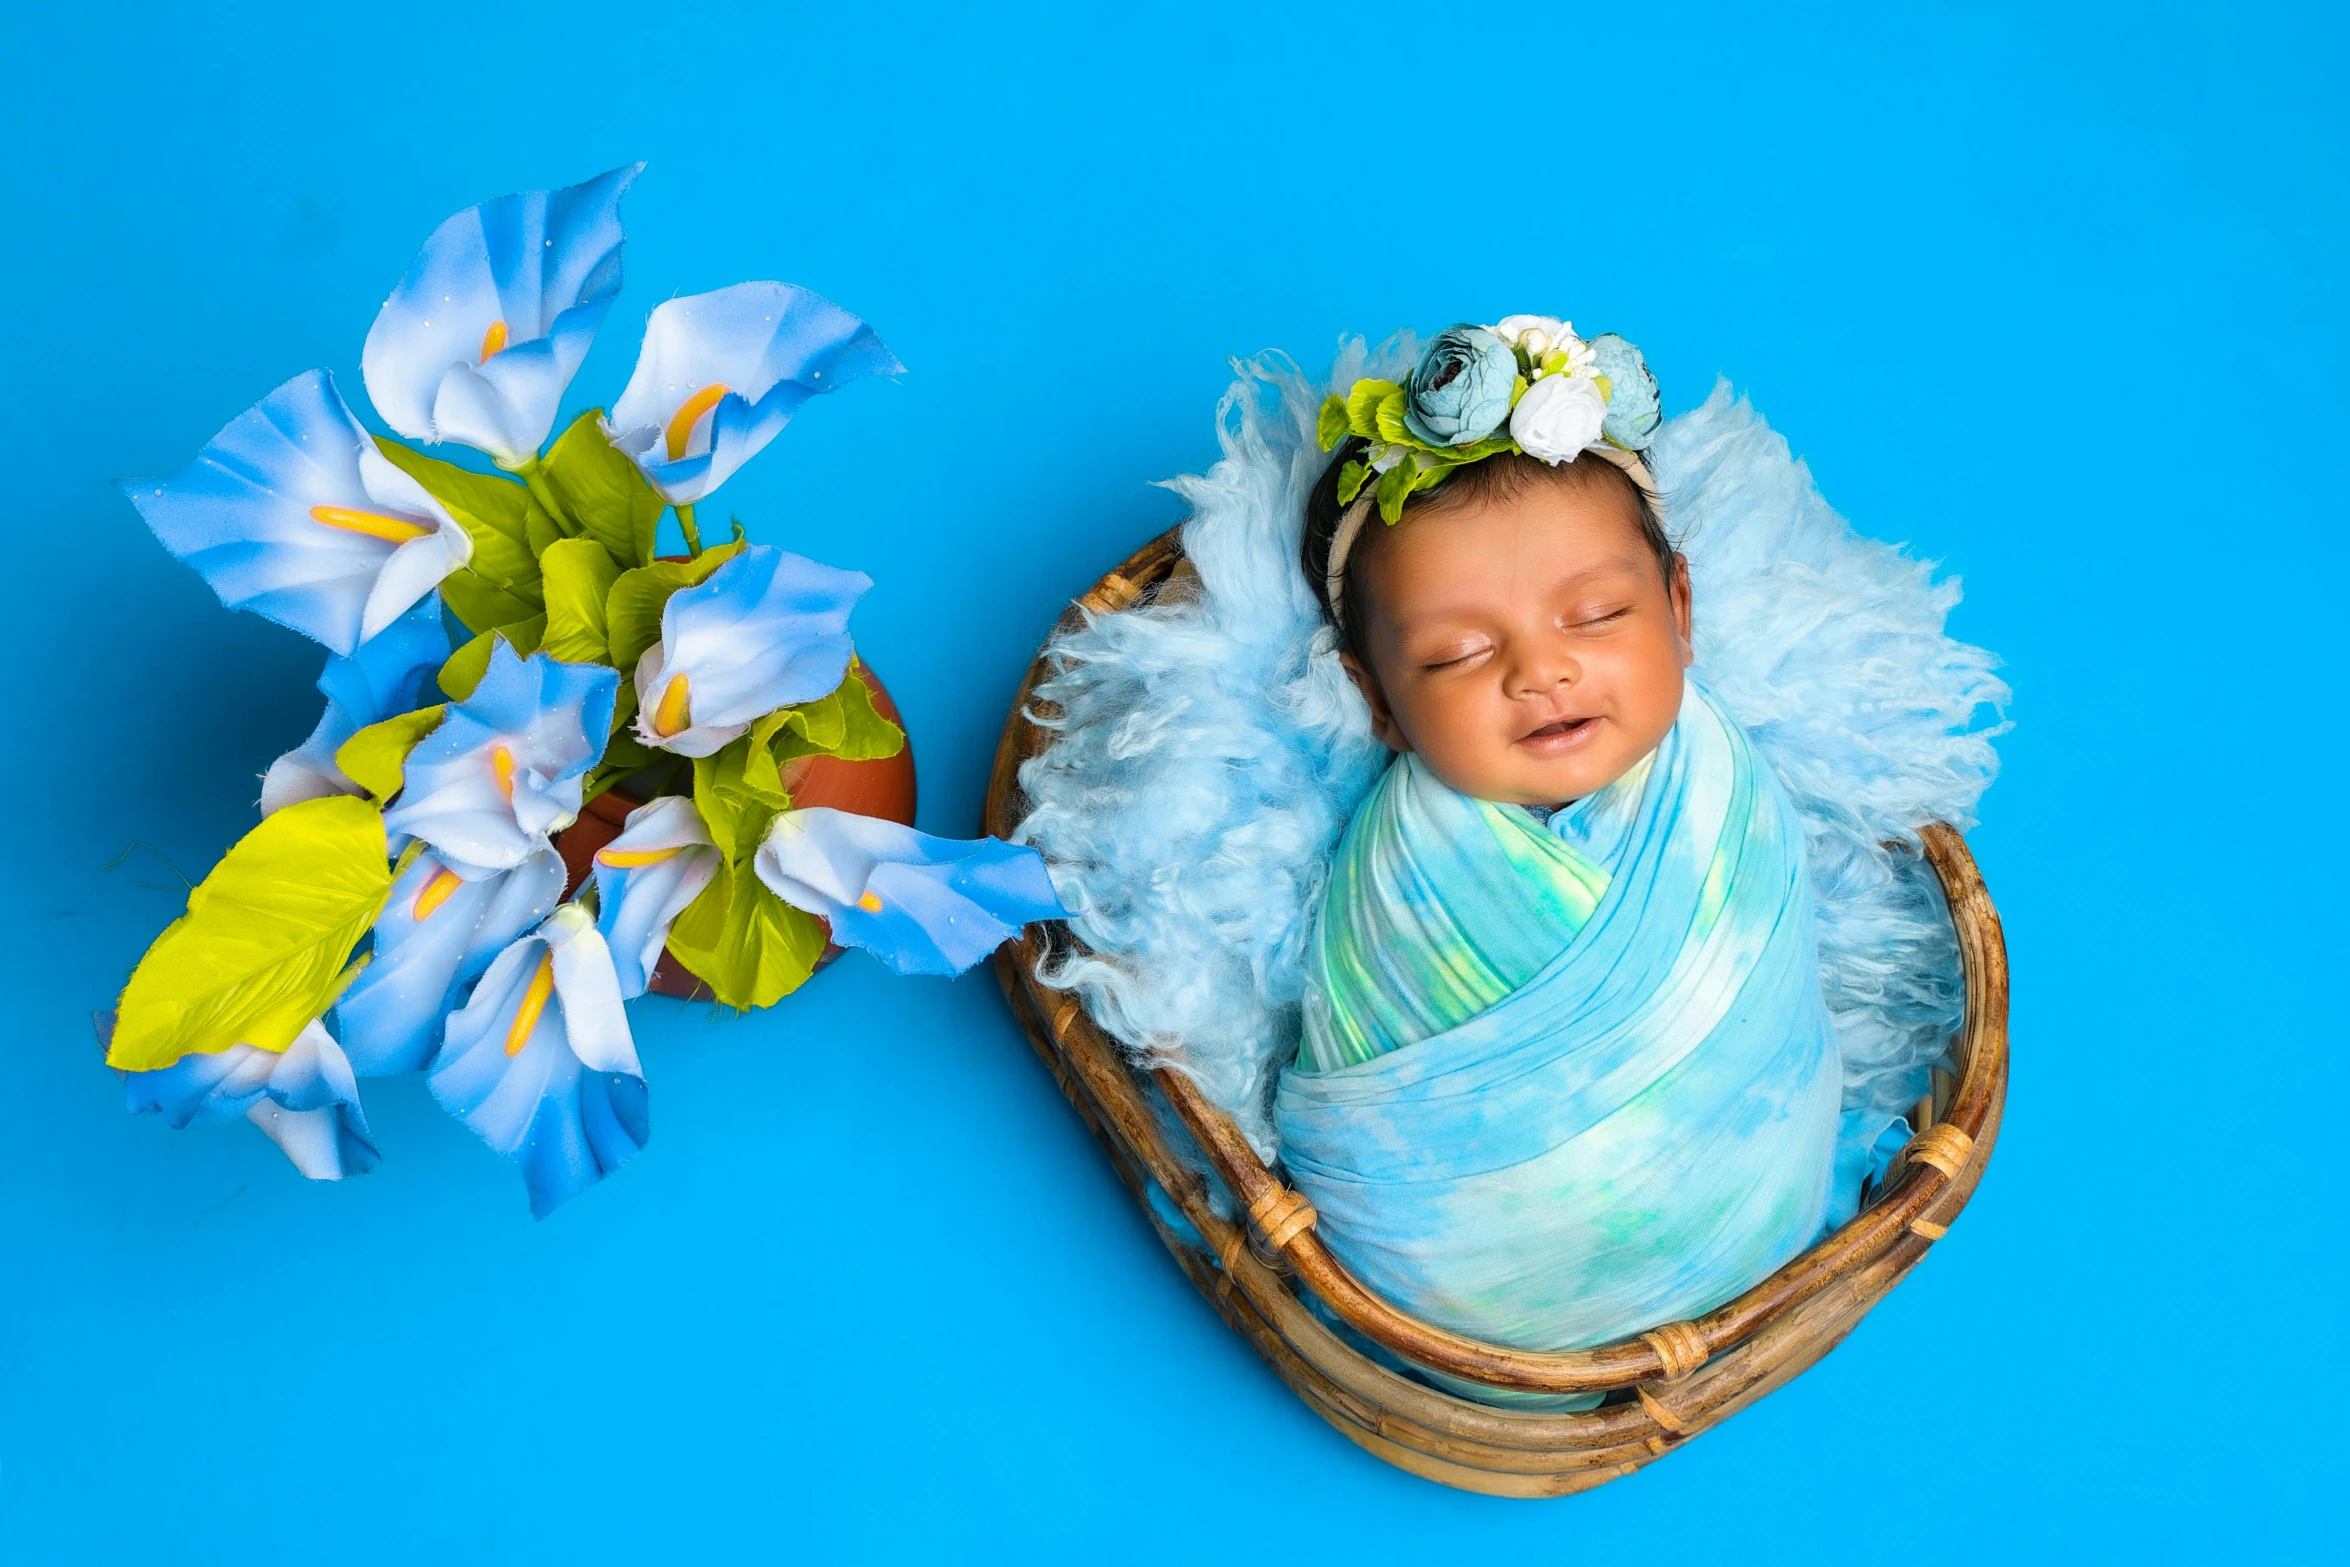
[[1362, 406], [1350, 481], [261, 949], [749, 946], [1388, 418], [480, 603], [579, 574], [603, 491], [376, 757], [1394, 485], [492, 511], [632, 611], [542, 528], [738, 789], [1333, 425], [844, 723], [468, 664]]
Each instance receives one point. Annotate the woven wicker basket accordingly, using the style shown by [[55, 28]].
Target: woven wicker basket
[[1664, 1386]]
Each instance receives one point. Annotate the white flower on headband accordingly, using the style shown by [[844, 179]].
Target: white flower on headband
[[1539, 337], [1559, 416]]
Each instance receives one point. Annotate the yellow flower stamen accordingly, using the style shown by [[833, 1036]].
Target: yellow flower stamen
[[502, 769], [870, 903], [689, 413], [434, 893], [392, 530], [631, 859], [534, 1002], [493, 340], [674, 713]]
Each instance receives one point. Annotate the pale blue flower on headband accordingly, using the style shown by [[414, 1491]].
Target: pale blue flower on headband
[[768, 629], [922, 905], [1460, 392], [383, 679], [506, 767], [492, 318], [292, 513], [661, 861], [1633, 413], [304, 1097], [720, 375], [541, 1065], [436, 935]]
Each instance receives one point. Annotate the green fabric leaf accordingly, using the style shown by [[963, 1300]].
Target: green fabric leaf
[[480, 603], [1394, 485], [542, 529], [494, 513], [1333, 425], [632, 610], [603, 491], [1362, 406], [749, 946], [376, 758], [843, 723], [1350, 481], [468, 664], [579, 574], [1388, 418], [261, 949], [738, 789]]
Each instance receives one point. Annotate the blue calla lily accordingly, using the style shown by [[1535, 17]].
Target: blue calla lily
[[292, 513], [769, 628], [540, 1063], [506, 767], [661, 861], [922, 905], [493, 317], [437, 933], [304, 1097], [384, 678], [720, 374]]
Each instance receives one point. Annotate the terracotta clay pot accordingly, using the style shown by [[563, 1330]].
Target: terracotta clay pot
[[884, 788]]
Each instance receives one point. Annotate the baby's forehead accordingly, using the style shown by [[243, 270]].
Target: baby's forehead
[[1527, 537]]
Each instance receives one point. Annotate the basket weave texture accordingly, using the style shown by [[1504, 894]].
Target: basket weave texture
[[1664, 1385]]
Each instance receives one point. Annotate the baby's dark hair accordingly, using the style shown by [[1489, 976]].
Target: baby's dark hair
[[1495, 478]]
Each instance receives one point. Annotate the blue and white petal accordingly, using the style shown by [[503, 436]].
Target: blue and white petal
[[292, 513], [384, 678], [769, 628], [436, 934], [720, 374], [505, 769], [304, 1097], [491, 320], [541, 1065], [922, 905], [661, 861]]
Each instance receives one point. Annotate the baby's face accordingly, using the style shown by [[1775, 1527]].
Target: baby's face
[[1528, 649]]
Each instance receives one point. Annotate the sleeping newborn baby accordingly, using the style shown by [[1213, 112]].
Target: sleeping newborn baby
[[1566, 1071]]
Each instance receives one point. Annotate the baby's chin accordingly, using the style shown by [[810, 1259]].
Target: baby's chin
[[1542, 771]]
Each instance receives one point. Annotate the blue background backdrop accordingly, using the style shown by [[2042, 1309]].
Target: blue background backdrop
[[2055, 297]]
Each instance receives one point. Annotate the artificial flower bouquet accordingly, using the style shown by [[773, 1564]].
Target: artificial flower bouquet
[[504, 648]]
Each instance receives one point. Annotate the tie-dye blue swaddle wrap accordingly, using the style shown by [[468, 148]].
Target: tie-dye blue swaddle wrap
[[1562, 1082]]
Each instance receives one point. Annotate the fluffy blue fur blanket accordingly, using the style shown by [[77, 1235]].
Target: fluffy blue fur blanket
[[1211, 750]]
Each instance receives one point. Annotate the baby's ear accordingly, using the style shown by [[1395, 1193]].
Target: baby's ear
[[1679, 591], [1382, 716]]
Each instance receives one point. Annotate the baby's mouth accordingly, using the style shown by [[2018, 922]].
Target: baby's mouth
[[1563, 735]]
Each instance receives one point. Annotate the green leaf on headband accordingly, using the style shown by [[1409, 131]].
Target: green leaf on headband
[[1394, 485], [1332, 427], [468, 664], [1389, 418], [1350, 481], [260, 953], [376, 758], [579, 575], [1517, 390], [596, 483], [749, 946], [1607, 388], [632, 610], [1362, 406]]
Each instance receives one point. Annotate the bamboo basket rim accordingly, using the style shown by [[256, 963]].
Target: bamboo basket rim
[[1682, 1376]]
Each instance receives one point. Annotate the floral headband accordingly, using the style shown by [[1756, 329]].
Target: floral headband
[[1527, 384]]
